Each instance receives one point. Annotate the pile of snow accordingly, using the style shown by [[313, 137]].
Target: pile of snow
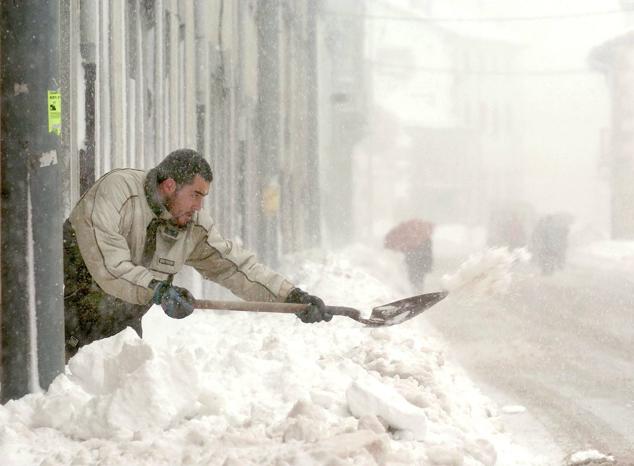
[[614, 255], [589, 457], [372, 398], [235, 388], [485, 273], [513, 409]]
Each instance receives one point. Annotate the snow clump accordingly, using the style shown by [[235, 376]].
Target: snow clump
[[485, 273]]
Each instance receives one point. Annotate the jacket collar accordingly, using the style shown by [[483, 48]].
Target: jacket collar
[[152, 195]]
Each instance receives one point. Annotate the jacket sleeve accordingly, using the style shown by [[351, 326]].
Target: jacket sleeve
[[237, 269], [97, 220]]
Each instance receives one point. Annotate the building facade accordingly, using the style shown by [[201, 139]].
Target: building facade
[[615, 59], [235, 80]]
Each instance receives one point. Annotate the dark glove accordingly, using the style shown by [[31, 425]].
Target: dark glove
[[317, 310], [177, 302]]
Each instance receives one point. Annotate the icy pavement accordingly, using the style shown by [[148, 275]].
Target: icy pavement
[[231, 388]]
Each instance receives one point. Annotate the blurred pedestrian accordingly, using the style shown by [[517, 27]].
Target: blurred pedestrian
[[509, 225], [414, 239], [549, 242]]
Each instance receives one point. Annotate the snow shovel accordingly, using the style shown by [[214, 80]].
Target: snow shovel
[[381, 316]]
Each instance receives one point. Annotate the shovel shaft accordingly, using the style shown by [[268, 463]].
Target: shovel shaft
[[284, 308], [251, 306]]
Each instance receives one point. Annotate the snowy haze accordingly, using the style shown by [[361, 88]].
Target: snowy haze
[[529, 101], [463, 116]]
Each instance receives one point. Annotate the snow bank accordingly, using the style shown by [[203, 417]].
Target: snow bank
[[120, 386], [605, 255], [236, 388]]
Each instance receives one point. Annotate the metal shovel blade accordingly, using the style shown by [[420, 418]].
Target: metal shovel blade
[[402, 310]]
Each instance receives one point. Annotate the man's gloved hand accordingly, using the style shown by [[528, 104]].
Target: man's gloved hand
[[177, 302], [317, 310]]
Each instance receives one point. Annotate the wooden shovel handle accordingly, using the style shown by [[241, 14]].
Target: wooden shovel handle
[[257, 306], [252, 306]]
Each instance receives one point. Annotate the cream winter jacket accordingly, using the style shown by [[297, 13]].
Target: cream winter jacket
[[110, 222]]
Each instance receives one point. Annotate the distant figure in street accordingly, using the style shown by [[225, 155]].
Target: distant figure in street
[[133, 230], [414, 239], [508, 225], [549, 242]]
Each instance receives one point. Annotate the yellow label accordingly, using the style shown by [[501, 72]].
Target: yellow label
[[55, 112], [271, 199]]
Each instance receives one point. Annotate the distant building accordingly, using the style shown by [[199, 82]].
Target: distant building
[[455, 94], [342, 104], [615, 58]]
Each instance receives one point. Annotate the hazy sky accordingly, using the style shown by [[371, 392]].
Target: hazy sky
[[564, 105]]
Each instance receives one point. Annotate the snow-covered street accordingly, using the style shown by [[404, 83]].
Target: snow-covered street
[[230, 388], [561, 347], [547, 381]]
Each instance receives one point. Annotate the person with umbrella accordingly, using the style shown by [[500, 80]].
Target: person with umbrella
[[414, 239]]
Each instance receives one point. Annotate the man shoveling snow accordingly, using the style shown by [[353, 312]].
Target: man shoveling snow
[[133, 231]]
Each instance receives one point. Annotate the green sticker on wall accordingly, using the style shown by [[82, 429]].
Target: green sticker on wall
[[55, 112]]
